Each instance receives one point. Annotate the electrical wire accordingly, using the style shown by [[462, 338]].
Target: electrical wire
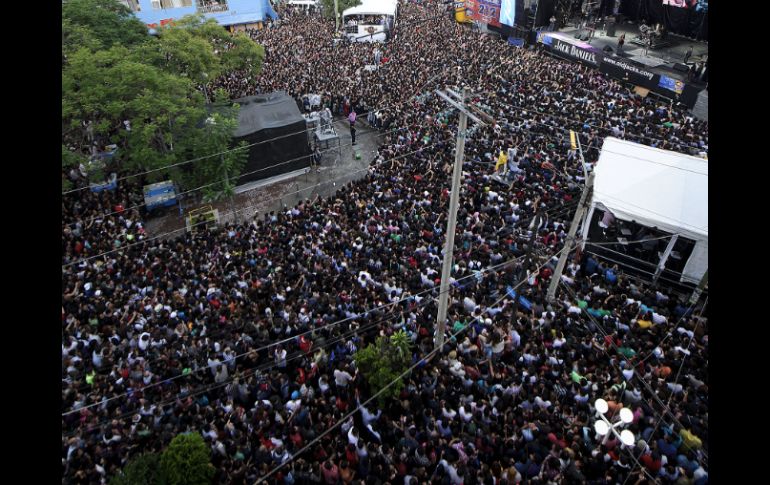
[[234, 212], [665, 409], [288, 339], [387, 386], [393, 105]]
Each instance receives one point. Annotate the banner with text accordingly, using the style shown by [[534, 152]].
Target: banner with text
[[584, 53], [629, 71], [487, 11]]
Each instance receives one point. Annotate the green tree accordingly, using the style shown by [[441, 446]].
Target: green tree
[[143, 469], [383, 362], [147, 100], [219, 174], [104, 89], [187, 461], [202, 50], [102, 23], [342, 5]]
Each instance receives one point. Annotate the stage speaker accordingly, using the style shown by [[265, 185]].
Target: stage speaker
[[610, 29], [608, 49], [681, 67]]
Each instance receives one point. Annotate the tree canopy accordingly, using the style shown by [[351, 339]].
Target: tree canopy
[[146, 94], [383, 362], [187, 461], [99, 24]]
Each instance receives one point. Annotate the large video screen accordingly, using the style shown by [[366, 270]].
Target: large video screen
[[508, 12]]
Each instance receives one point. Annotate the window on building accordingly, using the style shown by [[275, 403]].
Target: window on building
[[132, 4], [212, 6], [165, 4]]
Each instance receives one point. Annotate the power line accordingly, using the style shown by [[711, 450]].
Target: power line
[[559, 211], [288, 339], [137, 206], [646, 385], [208, 387], [366, 169], [247, 373], [428, 356], [660, 420], [395, 104]]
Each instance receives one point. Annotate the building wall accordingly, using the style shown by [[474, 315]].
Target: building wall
[[226, 12]]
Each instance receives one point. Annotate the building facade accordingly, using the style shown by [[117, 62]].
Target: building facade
[[234, 14]]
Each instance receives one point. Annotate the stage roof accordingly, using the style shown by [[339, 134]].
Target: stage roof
[[656, 188], [263, 111], [373, 7]]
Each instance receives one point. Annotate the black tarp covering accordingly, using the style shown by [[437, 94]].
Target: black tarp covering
[[686, 21], [545, 10], [264, 117]]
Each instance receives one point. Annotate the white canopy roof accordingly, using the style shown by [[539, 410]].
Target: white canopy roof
[[373, 7], [653, 187]]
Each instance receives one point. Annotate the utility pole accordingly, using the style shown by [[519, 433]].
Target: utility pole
[[336, 16], [664, 258], [446, 269], [528, 255], [581, 210], [701, 286]]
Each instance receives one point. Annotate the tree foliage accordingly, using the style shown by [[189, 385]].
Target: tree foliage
[[187, 461], [143, 469], [99, 24], [145, 94], [383, 362], [342, 5]]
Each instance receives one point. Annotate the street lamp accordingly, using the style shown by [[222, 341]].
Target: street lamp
[[603, 426]]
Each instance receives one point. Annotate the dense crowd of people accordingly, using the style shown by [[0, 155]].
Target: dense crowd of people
[[248, 334]]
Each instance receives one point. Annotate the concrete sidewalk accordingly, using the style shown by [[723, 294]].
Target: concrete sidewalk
[[337, 168]]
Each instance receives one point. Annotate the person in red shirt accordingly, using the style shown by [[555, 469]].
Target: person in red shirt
[[330, 473], [351, 455], [652, 461]]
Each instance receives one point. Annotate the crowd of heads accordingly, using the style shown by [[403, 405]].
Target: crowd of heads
[[247, 334]]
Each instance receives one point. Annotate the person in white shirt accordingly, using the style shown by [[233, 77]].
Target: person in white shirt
[[465, 416], [144, 341], [353, 436], [452, 472], [341, 377], [367, 415], [280, 357], [323, 385]]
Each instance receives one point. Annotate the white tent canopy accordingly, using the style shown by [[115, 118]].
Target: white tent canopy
[[373, 7], [656, 188]]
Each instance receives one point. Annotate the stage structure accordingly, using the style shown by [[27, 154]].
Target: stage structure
[[274, 126], [654, 200], [371, 21]]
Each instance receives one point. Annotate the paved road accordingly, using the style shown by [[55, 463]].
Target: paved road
[[337, 168]]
